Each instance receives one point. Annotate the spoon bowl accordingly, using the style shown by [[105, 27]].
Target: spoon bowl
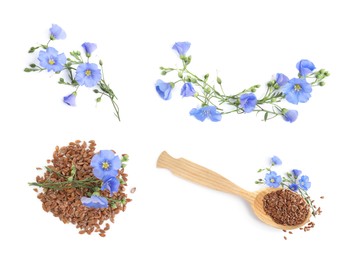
[[203, 176]]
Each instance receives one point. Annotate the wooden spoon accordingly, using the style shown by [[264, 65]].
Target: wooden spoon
[[201, 175]]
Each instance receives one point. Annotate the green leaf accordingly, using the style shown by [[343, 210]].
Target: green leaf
[[266, 116]]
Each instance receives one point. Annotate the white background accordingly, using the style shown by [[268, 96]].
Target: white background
[[245, 42]]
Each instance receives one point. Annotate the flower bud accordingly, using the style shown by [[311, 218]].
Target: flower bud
[[180, 74], [100, 62], [99, 99], [193, 80], [322, 83], [163, 72], [219, 80], [206, 76], [96, 90], [327, 73], [125, 157]]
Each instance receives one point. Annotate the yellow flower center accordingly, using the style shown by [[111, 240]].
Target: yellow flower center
[[51, 61], [105, 165], [297, 87], [88, 72], [272, 180]]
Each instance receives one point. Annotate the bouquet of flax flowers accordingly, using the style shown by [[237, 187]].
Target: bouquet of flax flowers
[[80, 71], [214, 102], [80, 185]]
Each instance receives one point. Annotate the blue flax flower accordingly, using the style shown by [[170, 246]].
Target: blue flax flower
[[305, 67], [297, 90], [296, 173], [290, 116], [276, 160], [56, 33], [95, 202], [50, 59], [163, 89], [206, 112], [293, 187], [105, 163], [304, 182], [88, 74], [248, 102], [281, 79], [70, 99], [110, 183], [89, 48], [187, 90], [181, 47], [272, 179]]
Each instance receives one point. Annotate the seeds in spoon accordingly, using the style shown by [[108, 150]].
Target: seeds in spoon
[[286, 207]]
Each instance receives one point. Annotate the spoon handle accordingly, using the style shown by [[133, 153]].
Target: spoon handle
[[201, 175]]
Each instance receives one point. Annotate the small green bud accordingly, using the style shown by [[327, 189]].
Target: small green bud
[[52, 38], [318, 76], [180, 74], [99, 99], [327, 73], [163, 72], [32, 49], [322, 83], [193, 80], [322, 71], [252, 89], [206, 76], [100, 62], [125, 157], [219, 80], [196, 94], [161, 68], [96, 90]]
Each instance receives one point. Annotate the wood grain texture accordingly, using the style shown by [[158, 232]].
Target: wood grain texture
[[195, 173]]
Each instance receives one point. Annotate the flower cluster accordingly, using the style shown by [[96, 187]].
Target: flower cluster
[[215, 103], [105, 167], [80, 71], [294, 180]]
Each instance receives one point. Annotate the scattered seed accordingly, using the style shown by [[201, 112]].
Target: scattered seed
[[133, 189], [285, 237], [322, 197]]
